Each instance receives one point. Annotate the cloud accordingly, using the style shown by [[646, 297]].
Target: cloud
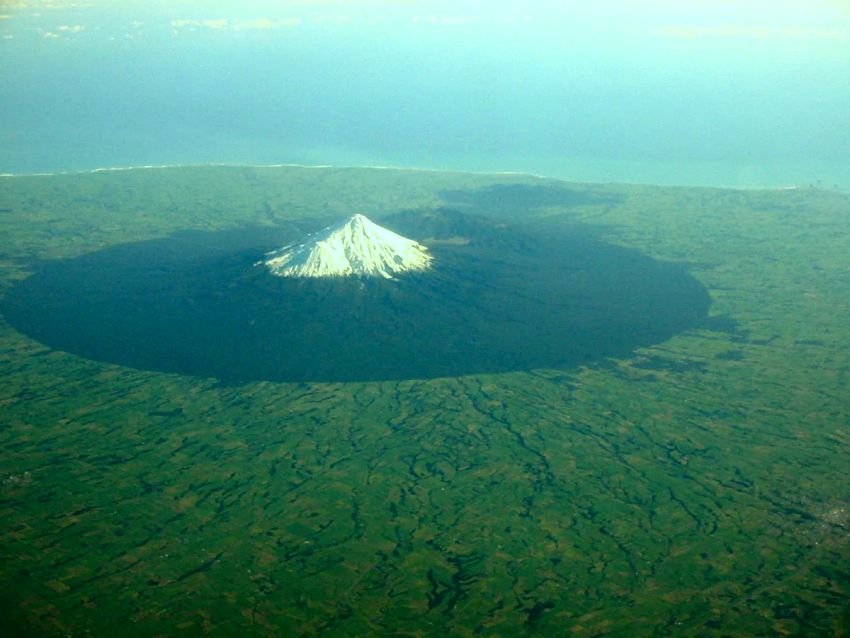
[[42, 4], [220, 24], [61, 30], [215, 23], [61, 5], [36, 5], [266, 23], [192, 25], [259, 23]]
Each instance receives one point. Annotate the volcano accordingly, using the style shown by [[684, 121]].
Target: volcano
[[356, 302], [357, 246]]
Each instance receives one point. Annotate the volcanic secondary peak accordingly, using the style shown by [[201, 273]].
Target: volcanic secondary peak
[[355, 246]]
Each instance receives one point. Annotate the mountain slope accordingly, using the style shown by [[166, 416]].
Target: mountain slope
[[356, 246]]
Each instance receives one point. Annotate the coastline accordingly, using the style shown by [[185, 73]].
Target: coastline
[[389, 167]]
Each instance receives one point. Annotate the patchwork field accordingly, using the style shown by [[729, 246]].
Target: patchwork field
[[696, 486]]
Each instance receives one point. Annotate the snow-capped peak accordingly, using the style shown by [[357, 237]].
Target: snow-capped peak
[[357, 246]]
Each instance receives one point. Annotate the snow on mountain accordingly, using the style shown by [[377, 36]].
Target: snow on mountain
[[356, 246]]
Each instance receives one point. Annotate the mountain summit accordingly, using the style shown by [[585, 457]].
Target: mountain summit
[[356, 246]]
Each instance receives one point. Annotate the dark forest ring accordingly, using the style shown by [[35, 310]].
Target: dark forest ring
[[498, 299]]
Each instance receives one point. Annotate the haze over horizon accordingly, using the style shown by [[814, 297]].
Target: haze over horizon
[[711, 93]]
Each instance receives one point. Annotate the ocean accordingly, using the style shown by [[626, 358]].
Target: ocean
[[88, 88]]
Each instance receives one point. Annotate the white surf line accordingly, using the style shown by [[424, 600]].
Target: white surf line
[[94, 170], [106, 169]]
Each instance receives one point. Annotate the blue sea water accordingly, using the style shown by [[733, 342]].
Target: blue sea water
[[705, 108]]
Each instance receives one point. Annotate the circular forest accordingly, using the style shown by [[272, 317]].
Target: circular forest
[[498, 298]]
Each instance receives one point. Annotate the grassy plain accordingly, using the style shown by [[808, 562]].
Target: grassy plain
[[695, 488]]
